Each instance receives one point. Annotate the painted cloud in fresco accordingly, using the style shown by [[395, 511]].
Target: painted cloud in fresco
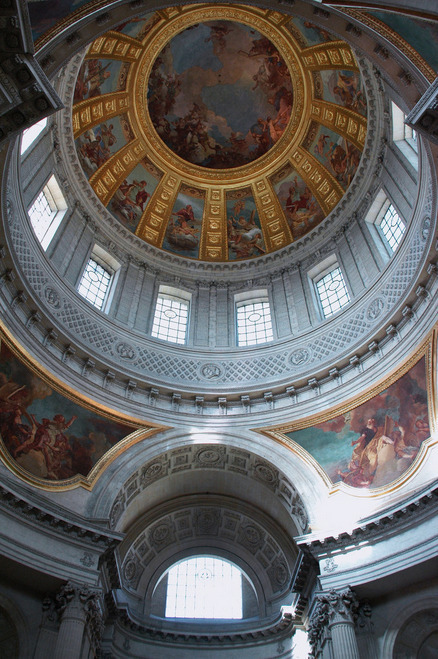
[[300, 207], [245, 236]]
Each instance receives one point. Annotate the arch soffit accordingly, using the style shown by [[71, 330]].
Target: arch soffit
[[402, 616], [217, 468]]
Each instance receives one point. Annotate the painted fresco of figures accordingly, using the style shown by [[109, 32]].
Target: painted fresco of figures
[[96, 145], [184, 226], [312, 33], [132, 197], [376, 442], [245, 237], [344, 88], [47, 434], [299, 205], [337, 154], [202, 79], [97, 77]]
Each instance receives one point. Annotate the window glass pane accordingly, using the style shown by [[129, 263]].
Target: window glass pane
[[254, 323], [47, 211], [170, 319], [332, 292], [95, 283], [30, 134], [392, 227], [41, 215], [204, 587]]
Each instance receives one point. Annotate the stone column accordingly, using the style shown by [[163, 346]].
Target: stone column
[[48, 631], [78, 611], [333, 621], [365, 633]]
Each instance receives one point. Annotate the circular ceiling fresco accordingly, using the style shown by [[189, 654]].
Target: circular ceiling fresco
[[219, 139], [220, 94]]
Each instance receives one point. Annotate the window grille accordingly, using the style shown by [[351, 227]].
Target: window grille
[[254, 323], [170, 319], [392, 227], [47, 211], [204, 587], [332, 292]]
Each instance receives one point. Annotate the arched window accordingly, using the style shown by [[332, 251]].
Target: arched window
[[404, 137], [330, 286], [47, 211], [387, 221], [204, 587], [98, 278]]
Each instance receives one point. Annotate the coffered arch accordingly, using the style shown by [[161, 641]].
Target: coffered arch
[[209, 524]]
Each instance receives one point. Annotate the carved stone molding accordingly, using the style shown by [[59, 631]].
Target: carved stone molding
[[280, 629], [424, 116], [26, 96], [390, 522], [241, 530], [65, 524], [217, 457]]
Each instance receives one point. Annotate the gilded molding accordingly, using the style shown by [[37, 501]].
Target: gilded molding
[[95, 111]]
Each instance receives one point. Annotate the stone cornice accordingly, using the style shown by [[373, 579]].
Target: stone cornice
[[277, 630], [390, 522], [22, 80], [62, 522]]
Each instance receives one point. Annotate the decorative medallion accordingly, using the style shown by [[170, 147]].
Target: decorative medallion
[[130, 570], [375, 309], [300, 357], [211, 371]]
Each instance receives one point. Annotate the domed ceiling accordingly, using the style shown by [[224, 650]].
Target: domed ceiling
[[221, 132]]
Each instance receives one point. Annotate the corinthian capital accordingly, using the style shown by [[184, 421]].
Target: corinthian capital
[[331, 607]]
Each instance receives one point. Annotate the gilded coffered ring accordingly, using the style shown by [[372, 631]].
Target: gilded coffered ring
[[219, 133]]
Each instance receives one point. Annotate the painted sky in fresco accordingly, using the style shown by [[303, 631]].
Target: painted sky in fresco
[[311, 32], [399, 423], [201, 81]]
